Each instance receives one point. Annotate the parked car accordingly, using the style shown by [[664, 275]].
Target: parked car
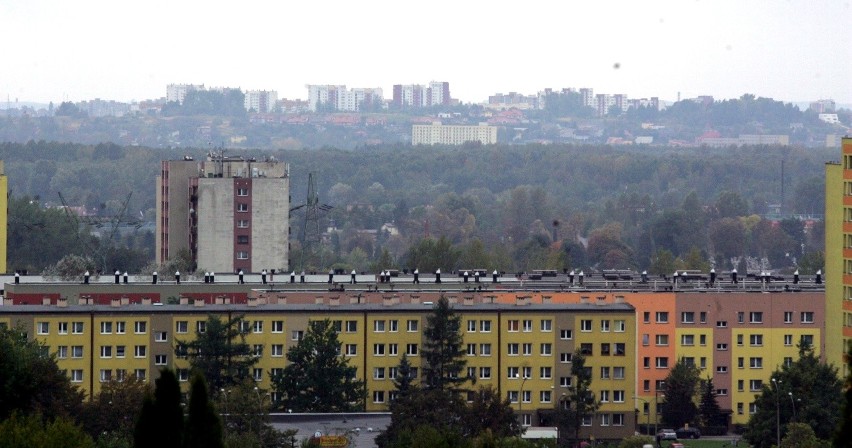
[[688, 433], [667, 434]]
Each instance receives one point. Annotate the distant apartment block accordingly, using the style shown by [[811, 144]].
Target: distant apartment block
[[177, 92], [745, 140], [437, 93], [261, 101], [512, 100], [339, 98], [228, 213], [822, 106], [106, 108], [4, 210], [439, 134]]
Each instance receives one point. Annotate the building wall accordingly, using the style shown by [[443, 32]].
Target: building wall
[[4, 210], [437, 133], [173, 207], [216, 214], [838, 255]]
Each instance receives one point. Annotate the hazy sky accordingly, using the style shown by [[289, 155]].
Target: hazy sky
[[796, 50]]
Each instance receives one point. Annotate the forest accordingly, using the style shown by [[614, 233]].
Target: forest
[[512, 208]]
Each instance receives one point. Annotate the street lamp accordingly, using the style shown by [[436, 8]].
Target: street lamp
[[793, 402], [648, 414], [657, 393], [777, 413], [521, 393]]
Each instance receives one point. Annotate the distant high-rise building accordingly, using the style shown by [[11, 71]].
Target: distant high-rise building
[[588, 96], [177, 92], [227, 213], [261, 101], [439, 134], [4, 210], [822, 106], [437, 93], [338, 98]]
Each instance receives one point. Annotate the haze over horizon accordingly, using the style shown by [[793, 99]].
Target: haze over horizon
[[792, 51]]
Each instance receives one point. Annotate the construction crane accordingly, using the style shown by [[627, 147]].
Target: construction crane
[[108, 228], [311, 237]]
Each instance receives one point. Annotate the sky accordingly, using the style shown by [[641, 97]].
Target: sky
[[789, 50]]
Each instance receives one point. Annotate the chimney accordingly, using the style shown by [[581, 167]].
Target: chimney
[[62, 302], [115, 302]]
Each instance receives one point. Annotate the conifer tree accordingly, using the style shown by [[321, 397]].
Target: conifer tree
[[203, 426]]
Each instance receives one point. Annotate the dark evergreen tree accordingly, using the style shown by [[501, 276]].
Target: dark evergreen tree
[[169, 414], [681, 390], [203, 426], [843, 435], [579, 402], [317, 378], [145, 432], [219, 353], [709, 411], [442, 352]]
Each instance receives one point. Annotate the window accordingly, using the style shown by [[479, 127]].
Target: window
[[257, 350], [662, 317], [721, 324], [242, 239], [721, 369], [411, 349], [565, 357], [378, 349], [62, 351], [242, 191], [471, 372], [646, 339], [752, 408], [106, 351], [646, 362], [619, 325], [379, 326], [526, 419], [585, 325], [63, 328], [351, 326], [119, 351], [258, 326], [526, 348], [646, 317], [564, 381], [393, 349], [807, 339], [526, 396], [379, 373], [545, 396], [587, 421], [181, 326], [788, 361], [702, 340], [484, 372], [740, 385], [755, 317], [140, 374], [662, 362], [605, 419], [512, 349], [242, 255], [604, 373], [245, 326], [740, 317], [586, 349], [471, 349], [106, 327], [722, 392], [484, 349], [702, 363], [297, 335], [351, 349], [412, 325], [618, 396], [140, 327], [739, 408], [161, 336], [526, 372], [646, 385], [76, 327], [161, 360], [755, 385], [617, 419], [547, 325], [42, 328], [740, 363], [687, 317], [277, 350], [566, 334], [618, 373], [512, 396], [513, 373], [393, 372], [721, 347], [740, 340], [756, 363], [337, 325], [77, 376], [378, 396], [546, 373], [788, 339], [788, 317], [76, 351], [512, 326], [471, 326], [242, 207], [605, 349], [546, 349], [807, 317], [702, 316], [687, 339], [485, 326], [140, 351], [394, 326], [277, 326], [756, 340], [662, 339], [605, 326], [243, 223]]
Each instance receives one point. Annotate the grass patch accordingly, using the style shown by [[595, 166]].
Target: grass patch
[[704, 443]]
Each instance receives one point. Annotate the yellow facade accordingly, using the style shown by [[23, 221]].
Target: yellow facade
[[838, 244], [4, 210]]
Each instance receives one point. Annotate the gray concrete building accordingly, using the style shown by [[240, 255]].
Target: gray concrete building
[[229, 213]]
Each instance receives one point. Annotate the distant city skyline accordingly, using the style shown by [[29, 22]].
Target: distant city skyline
[[792, 51]]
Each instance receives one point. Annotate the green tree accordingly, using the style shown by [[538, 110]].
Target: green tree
[[579, 402], [843, 434], [488, 413], [662, 263], [818, 387], [113, 413], [248, 422], [19, 431], [444, 360], [636, 442], [730, 204], [800, 435], [160, 421], [203, 426], [708, 410], [317, 378], [31, 382], [680, 388], [220, 352]]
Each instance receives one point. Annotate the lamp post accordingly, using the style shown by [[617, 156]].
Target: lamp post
[[793, 402], [657, 392], [648, 414], [777, 413]]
